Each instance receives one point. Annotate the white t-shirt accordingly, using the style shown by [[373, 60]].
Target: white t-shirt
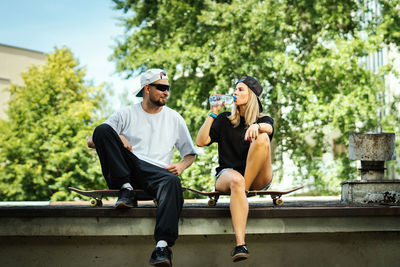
[[153, 136]]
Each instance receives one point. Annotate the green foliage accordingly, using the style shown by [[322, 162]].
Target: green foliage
[[43, 144], [390, 21], [308, 55]]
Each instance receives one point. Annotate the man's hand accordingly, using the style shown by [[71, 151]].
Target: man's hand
[[176, 168], [126, 143], [90, 142]]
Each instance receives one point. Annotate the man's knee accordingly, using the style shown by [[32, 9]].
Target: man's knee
[[171, 188], [172, 185], [101, 131], [173, 181]]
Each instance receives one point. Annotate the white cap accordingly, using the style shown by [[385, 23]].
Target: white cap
[[150, 76]]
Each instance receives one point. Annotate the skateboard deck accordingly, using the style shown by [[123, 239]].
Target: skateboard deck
[[98, 195], [275, 195]]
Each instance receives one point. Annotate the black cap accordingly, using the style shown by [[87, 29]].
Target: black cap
[[254, 86]]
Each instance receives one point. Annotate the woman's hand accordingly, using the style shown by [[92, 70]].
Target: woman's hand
[[215, 109], [252, 132]]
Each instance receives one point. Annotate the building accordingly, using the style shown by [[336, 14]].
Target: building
[[305, 231], [14, 61]]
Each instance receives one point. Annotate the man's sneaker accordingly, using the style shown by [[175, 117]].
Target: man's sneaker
[[161, 257], [240, 253], [126, 199]]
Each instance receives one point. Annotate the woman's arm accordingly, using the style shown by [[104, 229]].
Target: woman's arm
[[257, 128], [203, 136], [265, 128]]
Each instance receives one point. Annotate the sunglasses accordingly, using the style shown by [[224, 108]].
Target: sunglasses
[[161, 87]]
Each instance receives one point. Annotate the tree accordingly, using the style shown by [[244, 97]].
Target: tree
[[42, 145], [306, 53]]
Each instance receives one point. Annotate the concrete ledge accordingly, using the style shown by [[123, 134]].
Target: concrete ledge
[[301, 233], [87, 226], [202, 212], [78, 219]]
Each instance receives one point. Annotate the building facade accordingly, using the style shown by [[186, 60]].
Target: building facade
[[13, 62]]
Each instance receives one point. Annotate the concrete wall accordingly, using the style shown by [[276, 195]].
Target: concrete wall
[[317, 249], [14, 61], [347, 240]]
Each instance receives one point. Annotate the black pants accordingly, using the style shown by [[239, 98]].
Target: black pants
[[120, 166]]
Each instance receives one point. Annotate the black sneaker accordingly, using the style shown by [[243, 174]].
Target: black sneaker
[[126, 199], [240, 253], [161, 257]]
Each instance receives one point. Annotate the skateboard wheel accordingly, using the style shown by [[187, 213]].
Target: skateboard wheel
[[93, 202], [155, 203], [278, 201], [212, 202]]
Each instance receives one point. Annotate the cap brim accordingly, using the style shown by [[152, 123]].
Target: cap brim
[[140, 94], [135, 87], [260, 105]]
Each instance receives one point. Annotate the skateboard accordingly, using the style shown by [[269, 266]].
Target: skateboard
[[275, 195], [97, 195]]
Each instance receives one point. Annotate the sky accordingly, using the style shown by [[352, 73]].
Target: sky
[[88, 27]]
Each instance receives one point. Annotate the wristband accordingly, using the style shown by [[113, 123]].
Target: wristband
[[211, 114]]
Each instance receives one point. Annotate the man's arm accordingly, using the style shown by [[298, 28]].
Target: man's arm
[[125, 141], [178, 168]]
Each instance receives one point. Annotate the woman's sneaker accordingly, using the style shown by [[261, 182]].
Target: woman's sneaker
[[240, 253]]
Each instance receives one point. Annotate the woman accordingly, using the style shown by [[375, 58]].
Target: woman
[[243, 138]]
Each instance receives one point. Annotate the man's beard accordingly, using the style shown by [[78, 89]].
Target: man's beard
[[157, 102]]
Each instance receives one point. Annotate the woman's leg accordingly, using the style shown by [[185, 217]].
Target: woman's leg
[[231, 181], [258, 172]]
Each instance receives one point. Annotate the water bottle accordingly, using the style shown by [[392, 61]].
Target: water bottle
[[217, 100]]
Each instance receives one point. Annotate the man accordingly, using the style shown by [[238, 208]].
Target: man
[[135, 146]]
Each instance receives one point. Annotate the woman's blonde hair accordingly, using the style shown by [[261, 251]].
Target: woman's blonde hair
[[251, 114]]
